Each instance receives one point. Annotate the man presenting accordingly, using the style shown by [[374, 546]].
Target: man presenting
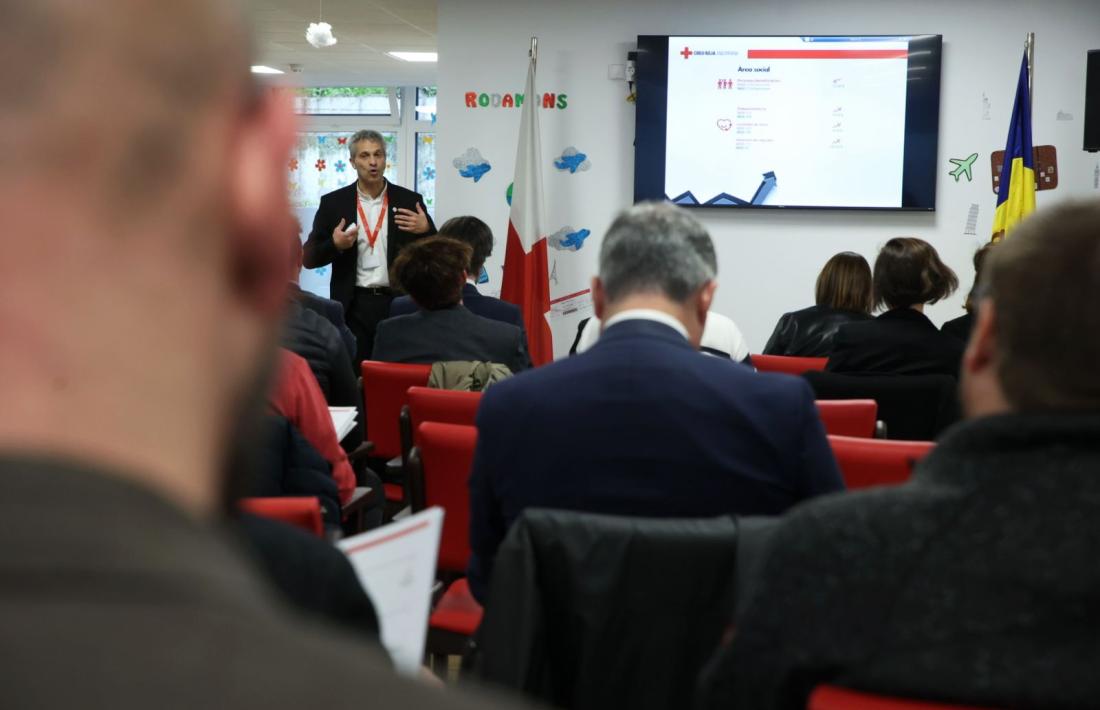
[[360, 229]]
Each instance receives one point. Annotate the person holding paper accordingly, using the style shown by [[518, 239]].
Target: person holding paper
[[360, 229]]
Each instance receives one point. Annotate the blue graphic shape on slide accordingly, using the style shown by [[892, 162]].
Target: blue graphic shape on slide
[[766, 186], [724, 199], [471, 165], [565, 239], [483, 277], [572, 160]]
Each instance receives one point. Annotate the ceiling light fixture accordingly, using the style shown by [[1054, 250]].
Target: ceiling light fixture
[[319, 34], [415, 56], [263, 69]]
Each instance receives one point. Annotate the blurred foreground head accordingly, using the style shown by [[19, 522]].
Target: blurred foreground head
[[1034, 347], [142, 210]]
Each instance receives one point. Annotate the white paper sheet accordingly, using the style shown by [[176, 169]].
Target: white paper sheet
[[343, 420], [396, 565]]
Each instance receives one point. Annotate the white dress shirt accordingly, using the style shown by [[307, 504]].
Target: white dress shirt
[[372, 269]]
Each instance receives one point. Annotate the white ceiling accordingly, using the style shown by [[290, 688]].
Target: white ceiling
[[365, 30]]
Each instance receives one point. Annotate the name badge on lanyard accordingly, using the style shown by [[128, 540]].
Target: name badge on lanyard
[[372, 235]]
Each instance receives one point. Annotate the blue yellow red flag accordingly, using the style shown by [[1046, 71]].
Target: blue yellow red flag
[[1016, 193]]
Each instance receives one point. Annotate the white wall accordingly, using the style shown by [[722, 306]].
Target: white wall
[[767, 260]]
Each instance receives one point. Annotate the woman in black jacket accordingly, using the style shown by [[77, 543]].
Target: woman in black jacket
[[842, 295], [902, 341]]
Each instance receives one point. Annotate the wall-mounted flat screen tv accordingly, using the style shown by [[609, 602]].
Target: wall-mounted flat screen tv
[[842, 122]]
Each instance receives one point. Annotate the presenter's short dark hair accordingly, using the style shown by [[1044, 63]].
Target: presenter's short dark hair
[[430, 270], [908, 271], [1043, 286], [472, 231], [845, 283]]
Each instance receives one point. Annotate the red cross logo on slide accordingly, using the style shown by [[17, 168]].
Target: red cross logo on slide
[[686, 53]]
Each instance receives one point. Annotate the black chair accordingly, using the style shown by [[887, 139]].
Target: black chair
[[598, 611], [913, 407]]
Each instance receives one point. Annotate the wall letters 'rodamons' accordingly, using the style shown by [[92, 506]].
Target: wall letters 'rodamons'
[[483, 100]]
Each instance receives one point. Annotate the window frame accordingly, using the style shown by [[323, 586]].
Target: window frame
[[402, 120]]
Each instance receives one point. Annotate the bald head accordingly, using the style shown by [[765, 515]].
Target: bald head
[[142, 206], [107, 95]]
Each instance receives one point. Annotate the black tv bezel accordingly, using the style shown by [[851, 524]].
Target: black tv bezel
[[922, 115]]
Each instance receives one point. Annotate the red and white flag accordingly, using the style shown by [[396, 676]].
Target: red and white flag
[[526, 274]]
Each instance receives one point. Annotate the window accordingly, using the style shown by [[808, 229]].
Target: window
[[322, 163], [425, 103], [346, 101], [425, 169]]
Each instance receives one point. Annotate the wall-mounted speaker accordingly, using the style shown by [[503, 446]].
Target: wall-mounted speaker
[[1092, 102]]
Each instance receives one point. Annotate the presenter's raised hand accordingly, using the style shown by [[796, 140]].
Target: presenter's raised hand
[[412, 222], [345, 238]]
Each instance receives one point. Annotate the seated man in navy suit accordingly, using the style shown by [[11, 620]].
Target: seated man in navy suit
[[477, 234], [642, 423]]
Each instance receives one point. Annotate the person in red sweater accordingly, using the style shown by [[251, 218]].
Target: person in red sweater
[[297, 396]]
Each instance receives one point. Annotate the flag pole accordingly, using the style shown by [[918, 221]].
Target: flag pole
[[1029, 48], [534, 51]]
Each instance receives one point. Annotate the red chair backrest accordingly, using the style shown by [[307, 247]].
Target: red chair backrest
[[848, 417], [427, 404], [385, 387], [304, 513], [876, 462], [788, 364], [829, 697], [446, 454]]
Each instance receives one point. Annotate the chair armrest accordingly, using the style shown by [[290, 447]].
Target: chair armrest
[[362, 452]]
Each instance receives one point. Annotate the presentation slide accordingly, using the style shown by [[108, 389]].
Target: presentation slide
[[786, 121]]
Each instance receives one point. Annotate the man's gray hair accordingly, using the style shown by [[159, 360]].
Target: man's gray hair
[[365, 135], [655, 247]]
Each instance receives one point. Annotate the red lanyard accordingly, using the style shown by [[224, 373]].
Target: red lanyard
[[372, 237]]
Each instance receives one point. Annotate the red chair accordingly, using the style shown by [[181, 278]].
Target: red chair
[[849, 417], [304, 513], [787, 364], [444, 455], [427, 404], [829, 697], [876, 462], [384, 394]]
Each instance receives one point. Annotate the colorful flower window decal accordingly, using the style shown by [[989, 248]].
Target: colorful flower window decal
[[293, 164], [429, 173], [320, 164]]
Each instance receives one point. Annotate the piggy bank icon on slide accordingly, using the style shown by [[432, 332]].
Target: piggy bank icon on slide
[[724, 124]]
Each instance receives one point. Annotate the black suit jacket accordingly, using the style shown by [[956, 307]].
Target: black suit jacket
[[642, 424], [899, 342], [479, 305], [450, 334], [340, 204]]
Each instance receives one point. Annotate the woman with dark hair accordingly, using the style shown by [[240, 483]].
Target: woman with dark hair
[[960, 327], [902, 341], [842, 295]]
